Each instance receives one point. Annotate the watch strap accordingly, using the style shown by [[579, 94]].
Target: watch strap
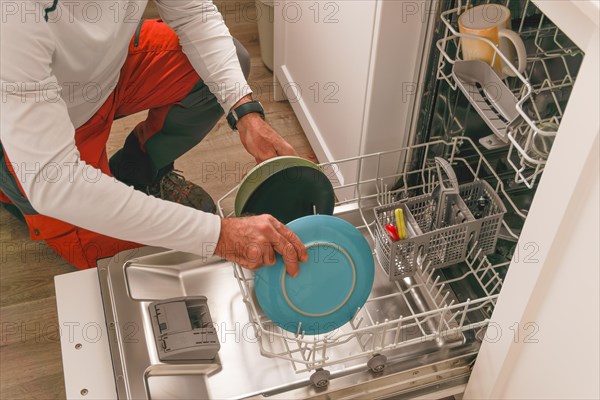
[[235, 114]]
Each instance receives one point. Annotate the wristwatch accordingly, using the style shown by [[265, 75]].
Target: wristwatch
[[234, 115]]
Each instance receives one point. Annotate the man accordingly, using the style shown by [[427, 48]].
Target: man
[[68, 70]]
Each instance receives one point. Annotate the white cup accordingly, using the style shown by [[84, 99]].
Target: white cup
[[492, 22]]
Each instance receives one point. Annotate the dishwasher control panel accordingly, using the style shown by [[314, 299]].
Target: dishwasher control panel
[[183, 329]]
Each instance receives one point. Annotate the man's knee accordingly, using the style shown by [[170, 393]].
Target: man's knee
[[243, 57]]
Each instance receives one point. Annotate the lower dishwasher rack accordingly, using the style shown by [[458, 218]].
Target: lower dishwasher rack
[[428, 311]]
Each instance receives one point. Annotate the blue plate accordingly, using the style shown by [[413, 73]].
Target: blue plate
[[334, 282]]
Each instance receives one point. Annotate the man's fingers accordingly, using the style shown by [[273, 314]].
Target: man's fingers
[[291, 237], [291, 248], [292, 268], [267, 154], [288, 252], [285, 149], [255, 257], [254, 252], [269, 255], [248, 264]]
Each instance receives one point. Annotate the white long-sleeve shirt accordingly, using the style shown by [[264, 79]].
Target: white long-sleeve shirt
[[56, 74]]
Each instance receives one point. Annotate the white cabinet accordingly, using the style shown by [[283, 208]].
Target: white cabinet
[[349, 69]]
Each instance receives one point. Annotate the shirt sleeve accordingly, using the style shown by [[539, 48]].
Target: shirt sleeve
[[39, 139], [207, 43]]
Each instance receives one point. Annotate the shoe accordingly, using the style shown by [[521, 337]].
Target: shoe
[[174, 187]]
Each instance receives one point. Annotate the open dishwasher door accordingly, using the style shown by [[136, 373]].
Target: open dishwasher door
[[129, 368]]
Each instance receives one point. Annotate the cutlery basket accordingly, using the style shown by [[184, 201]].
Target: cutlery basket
[[487, 209], [441, 228]]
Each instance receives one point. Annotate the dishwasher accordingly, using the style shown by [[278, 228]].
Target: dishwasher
[[420, 331]]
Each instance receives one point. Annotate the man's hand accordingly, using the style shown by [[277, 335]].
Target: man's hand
[[252, 242], [259, 139]]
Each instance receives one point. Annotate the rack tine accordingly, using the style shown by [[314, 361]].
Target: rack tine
[[298, 330], [385, 329]]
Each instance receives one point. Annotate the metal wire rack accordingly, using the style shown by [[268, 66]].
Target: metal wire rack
[[541, 91], [416, 311]]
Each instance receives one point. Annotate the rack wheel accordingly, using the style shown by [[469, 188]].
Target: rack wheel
[[320, 378], [377, 363]]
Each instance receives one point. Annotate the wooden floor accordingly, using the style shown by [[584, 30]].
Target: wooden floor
[[30, 359]]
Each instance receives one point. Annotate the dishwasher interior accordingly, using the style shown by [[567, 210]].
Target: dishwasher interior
[[415, 318]]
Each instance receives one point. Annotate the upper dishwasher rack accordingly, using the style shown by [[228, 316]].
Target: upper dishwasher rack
[[540, 93]]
